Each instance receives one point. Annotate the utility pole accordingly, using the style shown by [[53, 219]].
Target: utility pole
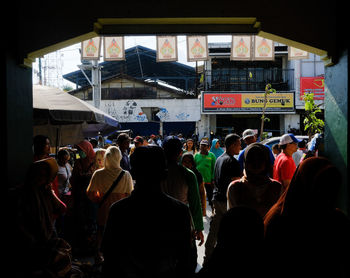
[[40, 73], [95, 81]]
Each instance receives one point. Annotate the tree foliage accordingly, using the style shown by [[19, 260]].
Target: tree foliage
[[268, 90], [311, 122]]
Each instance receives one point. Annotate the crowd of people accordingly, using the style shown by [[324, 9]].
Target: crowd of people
[[139, 210]]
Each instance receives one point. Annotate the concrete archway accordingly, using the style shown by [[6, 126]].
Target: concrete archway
[[39, 29]]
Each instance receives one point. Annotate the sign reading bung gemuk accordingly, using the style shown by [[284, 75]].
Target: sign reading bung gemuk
[[246, 102]]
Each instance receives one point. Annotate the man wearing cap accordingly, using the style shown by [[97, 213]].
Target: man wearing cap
[[205, 161], [138, 142], [284, 166], [249, 136]]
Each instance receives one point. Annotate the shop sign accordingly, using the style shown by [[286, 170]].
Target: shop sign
[[313, 85], [246, 102]]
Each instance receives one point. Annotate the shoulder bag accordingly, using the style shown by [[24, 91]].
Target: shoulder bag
[[115, 183]]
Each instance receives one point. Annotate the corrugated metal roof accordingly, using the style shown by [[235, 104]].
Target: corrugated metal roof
[[140, 63]]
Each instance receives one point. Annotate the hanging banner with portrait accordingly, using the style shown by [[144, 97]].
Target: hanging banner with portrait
[[263, 49], [197, 48], [297, 54], [113, 48], [241, 48], [90, 49], [166, 48]]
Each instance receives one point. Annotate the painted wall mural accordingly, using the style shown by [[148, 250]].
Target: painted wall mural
[[171, 110]]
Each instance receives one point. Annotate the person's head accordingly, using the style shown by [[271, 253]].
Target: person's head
[[85, 150], [188, 160], [289, 144], [41, 145], [314, 185], [215, 144], [302, 144], [99, 157], [172, 148], [257, 160], [112, 158], [93, 142], [63, 157], [138, 141], [189, 144], [204, 146], [276, 149], [249, 136], [232, 144], [41, 172], [123, 141], [148, 166]]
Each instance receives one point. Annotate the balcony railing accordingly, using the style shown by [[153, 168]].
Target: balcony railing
[[248, 79]]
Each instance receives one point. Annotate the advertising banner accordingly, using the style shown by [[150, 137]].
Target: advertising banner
[[263, 49], [313, 85], [197, 48], [241, 48], [113, 48], [90, 49], [297, 54], [166, 48], [247, 102]]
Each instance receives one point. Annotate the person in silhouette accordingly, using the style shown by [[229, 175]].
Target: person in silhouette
[[147, 234], [239, 248], [255, 189], [306, 235]]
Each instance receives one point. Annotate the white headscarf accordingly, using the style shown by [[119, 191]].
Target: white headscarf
[[112, 159]]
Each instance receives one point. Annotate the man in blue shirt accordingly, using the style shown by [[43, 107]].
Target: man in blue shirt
[[249, 136]]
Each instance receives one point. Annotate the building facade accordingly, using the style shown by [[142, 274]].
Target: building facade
[[242, 83]]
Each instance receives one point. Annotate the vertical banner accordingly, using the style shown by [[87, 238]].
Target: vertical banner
[[197, 48], [166, 48], [263, 49], [241, 48], [113, 48], [90, 49], [296, 54]]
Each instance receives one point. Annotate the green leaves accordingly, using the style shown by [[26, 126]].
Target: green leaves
[[269, 89], [311, 122]]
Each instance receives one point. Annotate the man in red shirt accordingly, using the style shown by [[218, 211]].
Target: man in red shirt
[[284, 166]]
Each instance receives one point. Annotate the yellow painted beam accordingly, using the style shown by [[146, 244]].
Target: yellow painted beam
[[46, 50], [177, 20], [292, 43]]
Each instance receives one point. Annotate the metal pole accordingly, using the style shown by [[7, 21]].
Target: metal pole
[[96, 87]]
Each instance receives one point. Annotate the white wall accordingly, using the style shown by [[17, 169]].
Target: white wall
[[171, 110]]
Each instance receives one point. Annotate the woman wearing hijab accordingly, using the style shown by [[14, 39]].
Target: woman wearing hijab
[[255, 189], [306, 235], [37, 250], [100, 183], [215, 148]]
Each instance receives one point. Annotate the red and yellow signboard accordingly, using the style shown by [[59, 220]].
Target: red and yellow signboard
[[246, 102], [313, 85]]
